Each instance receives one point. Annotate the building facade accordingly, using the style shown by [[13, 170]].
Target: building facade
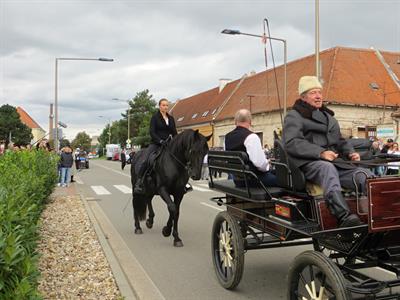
[[360, 85]]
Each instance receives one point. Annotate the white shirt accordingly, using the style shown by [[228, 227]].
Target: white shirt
[[256, 152]]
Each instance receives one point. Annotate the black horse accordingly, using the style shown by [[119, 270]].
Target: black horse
[[180, 159]]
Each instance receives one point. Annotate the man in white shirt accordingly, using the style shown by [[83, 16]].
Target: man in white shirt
[[243, 139]]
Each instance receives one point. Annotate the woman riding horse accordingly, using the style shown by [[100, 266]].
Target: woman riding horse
[[183, 158], [162, 126]]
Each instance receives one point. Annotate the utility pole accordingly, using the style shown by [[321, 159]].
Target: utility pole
[[317, 70], [51, 116]]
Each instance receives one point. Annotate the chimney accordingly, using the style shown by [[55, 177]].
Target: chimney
[[223, 82]]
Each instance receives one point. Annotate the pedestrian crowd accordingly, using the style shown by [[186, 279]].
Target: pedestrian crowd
[[66, 166]]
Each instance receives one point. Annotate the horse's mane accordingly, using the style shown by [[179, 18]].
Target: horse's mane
[[180, 141]]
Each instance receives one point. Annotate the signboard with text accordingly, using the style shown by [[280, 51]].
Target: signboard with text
[[385, 131]]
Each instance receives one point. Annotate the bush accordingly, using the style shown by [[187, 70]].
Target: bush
[[27, 178]]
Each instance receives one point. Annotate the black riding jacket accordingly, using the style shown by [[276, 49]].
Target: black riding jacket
[[159, 130]]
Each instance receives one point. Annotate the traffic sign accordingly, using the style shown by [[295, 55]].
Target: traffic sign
[[128, 141]]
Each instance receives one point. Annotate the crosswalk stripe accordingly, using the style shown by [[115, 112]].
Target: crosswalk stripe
[[196, 188], [100, 190], [203, 184], [123, 188]]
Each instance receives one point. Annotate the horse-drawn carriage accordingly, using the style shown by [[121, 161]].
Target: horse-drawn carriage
[[295, 214]]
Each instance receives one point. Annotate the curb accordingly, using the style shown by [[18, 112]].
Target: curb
[[131, 278], [120, 278]]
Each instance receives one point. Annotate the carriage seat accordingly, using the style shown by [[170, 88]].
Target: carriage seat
[[236, 163], [227, 186], [292, 178]]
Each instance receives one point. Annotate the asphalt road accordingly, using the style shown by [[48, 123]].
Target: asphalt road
[[183, 273]]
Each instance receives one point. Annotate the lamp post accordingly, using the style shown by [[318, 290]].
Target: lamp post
[[109, 128], [128, 115], [56, 142], [374, 86], [264, 38]]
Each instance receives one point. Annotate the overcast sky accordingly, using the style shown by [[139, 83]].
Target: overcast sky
[[173, 48]]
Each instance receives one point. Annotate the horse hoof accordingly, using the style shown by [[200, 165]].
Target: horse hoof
[[149, 224], [166, 231], [178, 244], [138, 231]]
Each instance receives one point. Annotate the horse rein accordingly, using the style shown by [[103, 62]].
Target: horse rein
[[186, 167]]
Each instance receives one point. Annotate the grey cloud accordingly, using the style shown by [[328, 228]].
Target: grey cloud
[[173, 48]]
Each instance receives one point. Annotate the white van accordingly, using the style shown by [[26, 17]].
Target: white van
[[112, 151]]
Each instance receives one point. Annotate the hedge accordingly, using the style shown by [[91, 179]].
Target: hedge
[[27, 178]]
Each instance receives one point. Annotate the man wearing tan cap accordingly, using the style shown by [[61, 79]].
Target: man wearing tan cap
[[314, 144]]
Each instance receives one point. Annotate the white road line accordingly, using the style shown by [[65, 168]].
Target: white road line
[[115, 171], [212, 206], [123, 188], [203, 184], [196, 188], [100, 190]]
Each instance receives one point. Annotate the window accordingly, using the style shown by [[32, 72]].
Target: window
[[205, 113], [194, 116], [181, 119], [214, 111]]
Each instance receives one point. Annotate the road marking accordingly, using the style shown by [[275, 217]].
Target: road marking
[[203, 185], [212, 206], [115, 171], [196, 188], [123, 188], [100, 190]]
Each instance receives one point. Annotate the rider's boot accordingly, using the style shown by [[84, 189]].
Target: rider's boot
[[338, 207]]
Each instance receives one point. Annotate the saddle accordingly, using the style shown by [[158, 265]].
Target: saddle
[[144, 167]]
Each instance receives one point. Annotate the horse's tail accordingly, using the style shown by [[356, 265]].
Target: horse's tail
[[140, 206]]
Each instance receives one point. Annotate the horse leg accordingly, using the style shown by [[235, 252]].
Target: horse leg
[[138, 230], [150, 220], [166, 231], [177, 241]]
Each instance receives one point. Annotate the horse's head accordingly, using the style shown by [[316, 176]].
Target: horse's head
[[195, 154]]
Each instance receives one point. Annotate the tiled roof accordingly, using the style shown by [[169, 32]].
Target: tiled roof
[[203, 107], [347, 75], [346, 72], [27, 119]]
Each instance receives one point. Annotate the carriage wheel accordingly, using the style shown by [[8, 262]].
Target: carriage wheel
[[227, 250], [313, 276]]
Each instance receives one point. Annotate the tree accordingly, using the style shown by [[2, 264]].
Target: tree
[[143, 106], [82, 141], [10, 124], [64, 143]]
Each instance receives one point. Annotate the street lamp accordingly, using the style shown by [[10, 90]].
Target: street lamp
[[374, 86], [128, 115], [264, 38], [56, 142], [109, 128]]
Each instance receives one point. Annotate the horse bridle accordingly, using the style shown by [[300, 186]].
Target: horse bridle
[[185, 166]]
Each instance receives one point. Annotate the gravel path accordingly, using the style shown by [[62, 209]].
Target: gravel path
[[72, 263]]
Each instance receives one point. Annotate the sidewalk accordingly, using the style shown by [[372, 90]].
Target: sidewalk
[[76, 260]]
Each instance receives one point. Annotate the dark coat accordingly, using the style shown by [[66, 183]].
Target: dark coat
[[159, 130], [66, 160], [307, 132]]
